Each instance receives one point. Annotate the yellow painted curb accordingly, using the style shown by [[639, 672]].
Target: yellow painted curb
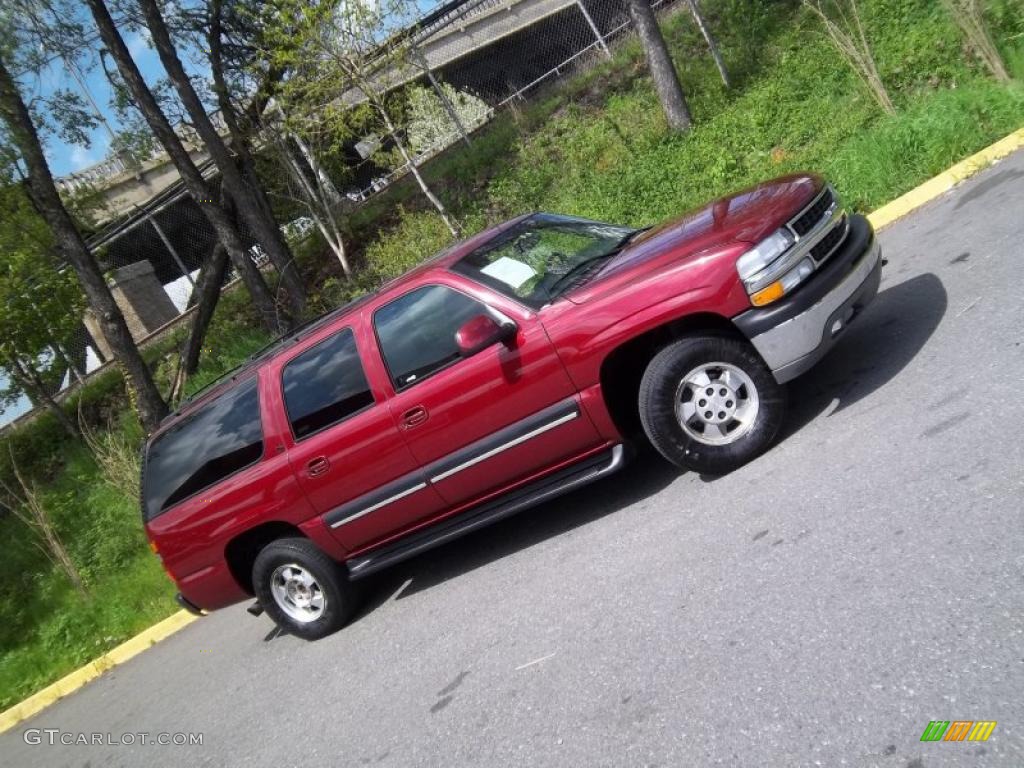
[[946, 180], [885, 215], [72, 682]]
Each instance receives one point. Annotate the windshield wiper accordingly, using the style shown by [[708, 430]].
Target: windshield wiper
[[588, 263], [576, 270]]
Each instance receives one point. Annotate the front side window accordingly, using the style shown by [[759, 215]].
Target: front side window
[[325, 384], [417, 331], [542, 257], [221, 438]]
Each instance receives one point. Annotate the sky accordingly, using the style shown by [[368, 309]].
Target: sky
[[66, 158]]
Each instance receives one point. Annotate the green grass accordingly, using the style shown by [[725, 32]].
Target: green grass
[[598, 146], [48, 629], [594, 145]]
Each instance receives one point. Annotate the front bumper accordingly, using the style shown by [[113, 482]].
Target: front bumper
[[796, 332]]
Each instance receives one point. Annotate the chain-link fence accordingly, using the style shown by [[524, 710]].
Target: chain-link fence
[[482, 56], [476, 59], [151, 257]]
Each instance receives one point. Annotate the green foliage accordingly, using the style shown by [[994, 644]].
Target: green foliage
[[230, 341], [102, 528], [892, 155], [116, 453], [37, 649], [415, 237], [428, 123], [40, 307], [798, 108], [92, 499]]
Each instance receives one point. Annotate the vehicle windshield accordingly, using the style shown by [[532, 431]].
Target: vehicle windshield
[[543, 256]]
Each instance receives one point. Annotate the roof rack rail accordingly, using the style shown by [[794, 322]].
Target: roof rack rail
[[276, 344]]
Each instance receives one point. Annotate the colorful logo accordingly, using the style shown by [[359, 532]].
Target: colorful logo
[[958, 730]]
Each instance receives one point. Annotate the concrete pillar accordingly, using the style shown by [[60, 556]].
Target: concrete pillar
[[92, 325], [142, 299]]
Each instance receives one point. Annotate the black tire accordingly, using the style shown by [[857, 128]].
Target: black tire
[[658, 392], [338, 592]]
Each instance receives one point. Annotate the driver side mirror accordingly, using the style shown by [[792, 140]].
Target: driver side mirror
[[482, 331]]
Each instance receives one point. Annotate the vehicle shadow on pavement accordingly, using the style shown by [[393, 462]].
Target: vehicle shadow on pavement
[[645, 475], [892, 331]]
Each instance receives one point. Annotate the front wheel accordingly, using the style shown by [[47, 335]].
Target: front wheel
[[710, 404], [301, 588]]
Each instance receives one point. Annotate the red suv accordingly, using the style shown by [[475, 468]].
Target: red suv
[[509, 369]]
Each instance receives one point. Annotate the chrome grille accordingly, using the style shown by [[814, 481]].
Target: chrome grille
[[821, 227], [824, 247], [817, 231], [807, 220]]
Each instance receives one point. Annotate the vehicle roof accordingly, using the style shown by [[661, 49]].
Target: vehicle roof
[[231, 378]]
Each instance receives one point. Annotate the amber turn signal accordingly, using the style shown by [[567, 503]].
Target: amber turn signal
[[768, 294]]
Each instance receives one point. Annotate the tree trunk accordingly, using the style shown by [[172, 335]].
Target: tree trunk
[[207, 291], [201, 192], [240, 139], [434, 199], [149, 404], [275, 317], [663, 72], [333, 196], [698, 19], [62, 357], [68, 362], [319, 204], [453, 115], [28, 379], [248, 203]]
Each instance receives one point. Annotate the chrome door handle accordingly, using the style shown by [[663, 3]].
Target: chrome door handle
[[317, 466], [414, 416]]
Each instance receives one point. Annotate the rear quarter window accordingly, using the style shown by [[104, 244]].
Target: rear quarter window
[[221, 438], [325, 385]]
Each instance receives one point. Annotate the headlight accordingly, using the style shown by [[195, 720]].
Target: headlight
[[782, 286], [771, 268], [763, 254]]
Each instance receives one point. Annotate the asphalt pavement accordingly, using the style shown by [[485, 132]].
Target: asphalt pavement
[[816, 608]]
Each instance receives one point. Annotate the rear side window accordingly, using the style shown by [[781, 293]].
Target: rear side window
[[325, 384], [223, 437], [417, 331]]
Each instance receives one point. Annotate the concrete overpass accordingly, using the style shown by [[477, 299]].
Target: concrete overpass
[[470, 26], [127, 186], [495, 49], [449, 39]]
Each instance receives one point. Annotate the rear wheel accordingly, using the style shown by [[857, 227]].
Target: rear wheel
[[302, 589], [710, 404]]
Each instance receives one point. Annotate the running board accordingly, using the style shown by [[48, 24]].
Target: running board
[[472, 519]]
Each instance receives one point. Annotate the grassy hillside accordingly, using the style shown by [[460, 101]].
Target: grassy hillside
[[598, 147], [594, 145]]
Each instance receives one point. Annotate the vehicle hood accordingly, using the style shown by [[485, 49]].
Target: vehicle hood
[[744, 217]]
